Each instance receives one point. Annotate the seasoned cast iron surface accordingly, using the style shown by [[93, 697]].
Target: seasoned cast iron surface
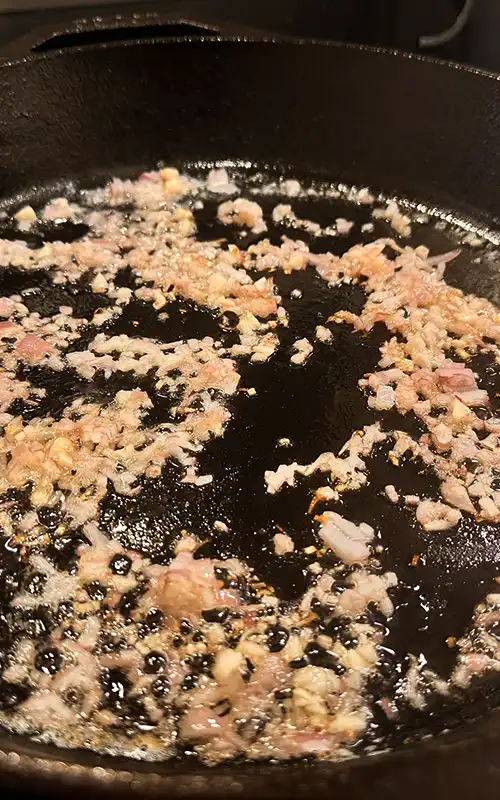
[[317, 406], [418, 128]]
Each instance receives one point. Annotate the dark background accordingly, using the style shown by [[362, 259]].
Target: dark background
[[397, 23]]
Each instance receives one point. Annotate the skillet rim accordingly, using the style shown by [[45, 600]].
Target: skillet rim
[[403, 55]]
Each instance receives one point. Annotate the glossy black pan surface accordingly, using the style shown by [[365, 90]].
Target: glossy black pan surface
[[411, 127]]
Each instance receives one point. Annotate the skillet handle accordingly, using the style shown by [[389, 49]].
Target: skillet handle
[[117, 28]]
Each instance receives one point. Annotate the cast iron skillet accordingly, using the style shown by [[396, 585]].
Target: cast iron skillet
[[409, 126]]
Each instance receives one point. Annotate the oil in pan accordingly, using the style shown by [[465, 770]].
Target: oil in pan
[[249, 466]]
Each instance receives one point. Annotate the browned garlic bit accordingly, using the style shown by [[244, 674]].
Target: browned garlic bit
[[283, 544]]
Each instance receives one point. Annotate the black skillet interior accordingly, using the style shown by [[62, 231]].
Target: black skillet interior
[[412, 127]]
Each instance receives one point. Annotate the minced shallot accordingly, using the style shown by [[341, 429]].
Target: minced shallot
[[131, 654], [347, 540]]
